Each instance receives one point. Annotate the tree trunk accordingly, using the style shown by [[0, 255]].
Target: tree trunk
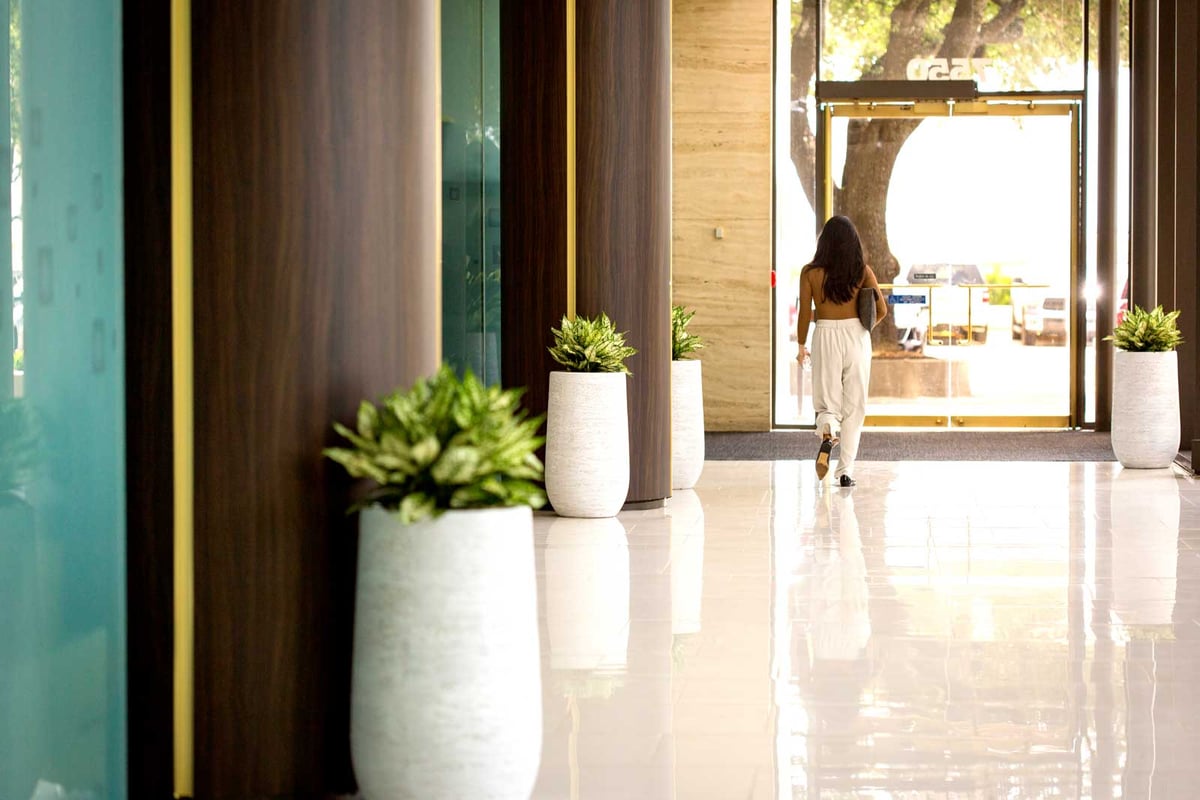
[[871, 151]]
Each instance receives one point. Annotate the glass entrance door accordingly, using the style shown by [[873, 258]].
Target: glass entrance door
[[980, 261]]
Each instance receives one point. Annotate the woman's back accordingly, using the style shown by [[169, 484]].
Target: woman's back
[[826, 308]]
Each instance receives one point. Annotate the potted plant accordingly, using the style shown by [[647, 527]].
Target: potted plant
[[587, 421], [446, 678], [687, 403], [1145, 409]]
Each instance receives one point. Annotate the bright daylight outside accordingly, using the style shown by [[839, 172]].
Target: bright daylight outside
[[967, 211]]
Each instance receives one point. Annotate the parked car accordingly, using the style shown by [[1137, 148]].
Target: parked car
[[954, 313], [1040, 319]]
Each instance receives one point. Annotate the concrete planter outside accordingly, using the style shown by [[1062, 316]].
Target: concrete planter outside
[[1145, 408], [446, 693], [587, 443], [687, 424]]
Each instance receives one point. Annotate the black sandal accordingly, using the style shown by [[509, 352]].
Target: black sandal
[[823, 457]]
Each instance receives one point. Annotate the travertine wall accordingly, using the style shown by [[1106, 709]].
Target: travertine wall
[[721, 82]]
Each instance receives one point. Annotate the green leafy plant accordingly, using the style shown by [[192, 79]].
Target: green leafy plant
[[1142, 331], [19, 360], [18, 444], [444, 444], [999, 296], [590, 345], [682, 342]]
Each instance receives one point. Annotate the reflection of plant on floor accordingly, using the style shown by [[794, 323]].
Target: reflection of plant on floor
[[18, 444], [18, 360]]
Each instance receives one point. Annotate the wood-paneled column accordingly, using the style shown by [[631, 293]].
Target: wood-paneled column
[[315, 132], [585, 97], [623, 189]]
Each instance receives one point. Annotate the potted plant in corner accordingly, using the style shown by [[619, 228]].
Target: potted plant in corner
[[587, 421], [687, 403], [446, 676], [1145, 409]]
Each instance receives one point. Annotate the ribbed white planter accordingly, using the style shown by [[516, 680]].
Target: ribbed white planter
[[1145, 409], [587, 443], [587, 594], [687, 560], [687, 424], [446, 698]]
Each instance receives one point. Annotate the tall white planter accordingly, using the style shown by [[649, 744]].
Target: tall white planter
[[1145, 411], [446, 698], [587, 595], [587, 443], [687, 424]]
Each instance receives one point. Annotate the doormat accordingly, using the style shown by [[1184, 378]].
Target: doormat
[[1015, 445]]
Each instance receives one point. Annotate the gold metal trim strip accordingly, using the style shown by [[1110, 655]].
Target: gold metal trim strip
[[571, 160], [1006, 421], [182, 349], [1078, 340], [826, 210]]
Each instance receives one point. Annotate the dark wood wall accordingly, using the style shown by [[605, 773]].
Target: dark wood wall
[[623, 77], [533, 191], [316, 253], [1177, 208], [148, 398], [623, 200]]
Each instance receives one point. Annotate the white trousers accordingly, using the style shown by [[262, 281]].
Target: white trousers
[[841, 371]]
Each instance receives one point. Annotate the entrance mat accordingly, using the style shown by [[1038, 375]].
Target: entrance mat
[[951, 445]]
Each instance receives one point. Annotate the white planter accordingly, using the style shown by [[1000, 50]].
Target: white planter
[[687, 560], [687, 424], [1145, 409], [587, 443], [446, 698], [587, 594]]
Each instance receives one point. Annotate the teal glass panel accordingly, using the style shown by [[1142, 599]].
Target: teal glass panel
[[471, 186], [62, 463]]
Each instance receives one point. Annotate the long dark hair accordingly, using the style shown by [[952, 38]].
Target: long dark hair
[[840, 253]]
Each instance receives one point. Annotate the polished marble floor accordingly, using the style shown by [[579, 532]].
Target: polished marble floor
[[968, 630]]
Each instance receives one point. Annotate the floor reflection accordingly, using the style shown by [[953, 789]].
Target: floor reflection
[[972, 631]]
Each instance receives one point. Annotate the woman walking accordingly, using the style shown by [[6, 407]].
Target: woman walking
[[841, 347]]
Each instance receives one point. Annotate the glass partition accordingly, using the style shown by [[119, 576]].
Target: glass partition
[[471, 186], [62, 468]]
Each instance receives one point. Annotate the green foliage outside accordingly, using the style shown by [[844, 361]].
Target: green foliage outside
[[18, 444], [682, 342], [1144, 331], [445, 444], [590, 345], [1002, 296], [19, 360]]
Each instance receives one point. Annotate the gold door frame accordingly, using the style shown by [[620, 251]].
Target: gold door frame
[[1041, 105]]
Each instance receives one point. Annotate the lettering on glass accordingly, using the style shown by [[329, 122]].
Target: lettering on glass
[[946, 69]]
